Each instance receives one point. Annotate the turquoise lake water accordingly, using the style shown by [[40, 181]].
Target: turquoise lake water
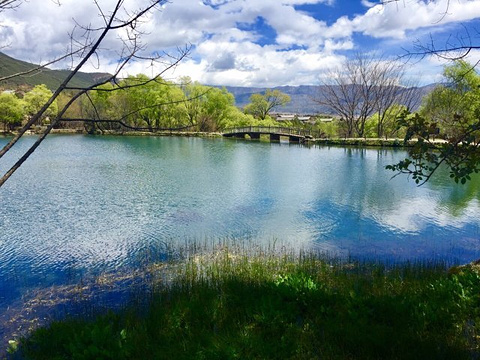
[[87, 204]]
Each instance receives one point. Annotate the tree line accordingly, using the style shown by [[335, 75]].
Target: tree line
[[140, 103], [365, 96], [143, 104]]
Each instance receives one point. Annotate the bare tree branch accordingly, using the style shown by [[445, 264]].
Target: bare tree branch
[[9, 4], [455, 47], [361, 87]]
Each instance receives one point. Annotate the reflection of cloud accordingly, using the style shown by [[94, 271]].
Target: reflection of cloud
[[405, 233], [412, 215]]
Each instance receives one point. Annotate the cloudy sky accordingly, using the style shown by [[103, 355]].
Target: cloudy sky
[[252, 42]]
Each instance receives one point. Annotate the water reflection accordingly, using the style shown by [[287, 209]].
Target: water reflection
[[84, 204]]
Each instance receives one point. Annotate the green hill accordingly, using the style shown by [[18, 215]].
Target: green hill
[[51, 78]]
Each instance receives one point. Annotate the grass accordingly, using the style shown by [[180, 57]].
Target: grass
[[242, 304]]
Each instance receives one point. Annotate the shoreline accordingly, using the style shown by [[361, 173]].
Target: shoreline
[[355, 142], [288, 284]]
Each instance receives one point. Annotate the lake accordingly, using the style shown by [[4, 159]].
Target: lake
[[85, 204]]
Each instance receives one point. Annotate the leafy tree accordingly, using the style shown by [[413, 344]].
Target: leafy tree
[[194, 94], [100, 105], [11, 110], [137, 102], [73, 112], [217, 108], [36, 98], [210, 108], [261, 105], [461, 154], [388, 120], [238, 118], [453, 105], [327, 128], [143, 104]]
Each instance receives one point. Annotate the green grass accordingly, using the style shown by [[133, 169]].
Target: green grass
[[234, 304]]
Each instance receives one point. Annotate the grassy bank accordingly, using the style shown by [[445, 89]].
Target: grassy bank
[[230, 304]]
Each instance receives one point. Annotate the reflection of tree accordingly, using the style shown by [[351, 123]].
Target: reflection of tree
[[362, 184], [456, 198]]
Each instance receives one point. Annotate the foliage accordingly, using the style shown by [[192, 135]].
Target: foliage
[[454, 106], [159, 104], [329, 129], [216, 108], [262, 104], [461, 155], [36, 98], [74, 111], [11, 110], [386, 121], [233, 305], [456, 115], [154, 105]]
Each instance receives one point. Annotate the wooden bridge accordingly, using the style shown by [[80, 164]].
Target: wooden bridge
[[275, 132]]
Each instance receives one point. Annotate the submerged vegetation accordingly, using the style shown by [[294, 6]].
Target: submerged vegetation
[[263, 304]]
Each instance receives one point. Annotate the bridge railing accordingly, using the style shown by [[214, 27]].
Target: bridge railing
[[279, 130]]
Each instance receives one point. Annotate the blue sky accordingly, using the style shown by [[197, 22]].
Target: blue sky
[[255, 42]]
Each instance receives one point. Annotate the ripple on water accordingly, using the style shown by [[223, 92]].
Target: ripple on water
[[85, 204]]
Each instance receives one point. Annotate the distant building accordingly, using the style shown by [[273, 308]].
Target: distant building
[[291, 117], [312, 119]]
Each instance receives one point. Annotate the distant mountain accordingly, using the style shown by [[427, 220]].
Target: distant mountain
[[302, 97], [51, 78]]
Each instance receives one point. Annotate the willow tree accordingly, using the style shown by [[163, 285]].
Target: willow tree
[[36, 98], [11, 110], [209, 108]]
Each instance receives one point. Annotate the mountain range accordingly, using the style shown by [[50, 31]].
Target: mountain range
[[302, 97]]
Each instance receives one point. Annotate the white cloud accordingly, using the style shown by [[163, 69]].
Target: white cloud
[[368, 4], [393, 20], [224, 53]]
